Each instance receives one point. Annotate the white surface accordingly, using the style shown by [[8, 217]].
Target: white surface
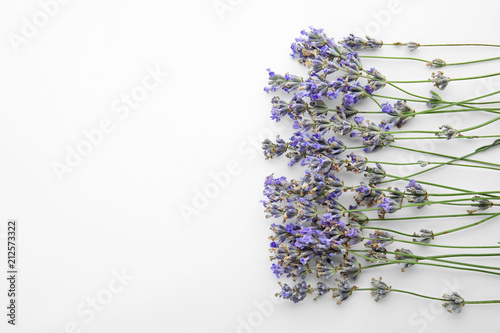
[[119, 209]]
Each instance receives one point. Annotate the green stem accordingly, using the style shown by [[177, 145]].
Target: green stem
[[438, 163], [432, 194], [430, 264], [404, 292], [426, 203], [480, 125], [426, 183], [454, 158], [419, 217], [389, 230], [441, 246], [471, 61], [466, 226], [434, 258], [398, 58], [441, 138], [452, 44], [428, 61], [483, 302]]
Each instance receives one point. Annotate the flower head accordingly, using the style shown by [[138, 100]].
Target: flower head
[[454, 302], [425, 236], [343, 290], [321, 290], [406, 255], [381, 289], [448, 132], [350, 268], [440, 80]]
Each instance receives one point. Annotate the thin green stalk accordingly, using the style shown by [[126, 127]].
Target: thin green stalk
[[420, 217], [441, 138], [480, 125], [471, 61], [438, 163], [452, 44], [429, 61], [441, 246], [465, 226], [454, 158], [398, 58], [404, 292], [433, 194], [426, 183], [430, 264], [424, 204], [433, 258], [389, 230]]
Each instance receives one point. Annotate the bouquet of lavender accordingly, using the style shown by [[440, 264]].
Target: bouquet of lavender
[[319, 235]]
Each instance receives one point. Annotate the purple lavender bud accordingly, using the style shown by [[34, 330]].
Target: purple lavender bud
[[379, 240], [318, 107], [325, 269], [435, 100], [354, 42], [350, 268], [341, 126], [406, 255], [412, 45], [356, 163], [448, 131], [358, 218], [381, 289], [416, 193], [436, 63], [286, 291], [271, 149], [388, 206], [342, 291], [425, 236], [372, 43], [300, 292], [440, 80], [454, 302], [376, 174], [321, 290]]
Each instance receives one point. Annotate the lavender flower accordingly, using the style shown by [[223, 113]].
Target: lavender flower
[[376, 174], [357, 218], [425, 236], [326, 269], [379, 240], [416, 193], [400, 112], [454, 302], [343, 290], [376, 256], [272, 149], [388, 205], [436, 63], [381, 289], [406, 255], [286, 291], [412, 45], [481, 204], [447, 131], [321, 289], [356, 163], [350, 268], [440, 80], [357, 43]]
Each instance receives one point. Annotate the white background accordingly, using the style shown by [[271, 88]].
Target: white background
[[119, 209]]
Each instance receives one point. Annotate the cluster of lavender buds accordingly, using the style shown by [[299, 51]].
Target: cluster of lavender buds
[[321, 232]]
